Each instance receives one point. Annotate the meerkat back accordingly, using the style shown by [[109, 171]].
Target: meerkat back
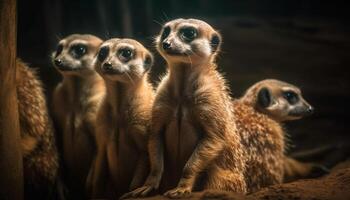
[[259, 116], [40, 159], [75, 103]]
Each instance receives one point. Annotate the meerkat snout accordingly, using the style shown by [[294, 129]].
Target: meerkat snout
[[188, 41]]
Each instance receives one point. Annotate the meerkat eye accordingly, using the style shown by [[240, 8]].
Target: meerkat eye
[[166, 32], [125, 54], [291, 97], [59, 49], [78, 50], [188, 34], [102, 54]]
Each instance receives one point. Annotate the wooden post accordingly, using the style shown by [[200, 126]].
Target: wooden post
[[11, 172]]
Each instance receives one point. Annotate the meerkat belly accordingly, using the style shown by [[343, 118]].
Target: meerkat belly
[[122, 159], [78, 149], [181, 138]]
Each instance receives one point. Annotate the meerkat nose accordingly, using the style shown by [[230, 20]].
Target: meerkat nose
[[310, 110], [107, 66], [166, 45], [58, 62]]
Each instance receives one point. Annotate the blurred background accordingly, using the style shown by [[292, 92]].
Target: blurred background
[[304, 42]]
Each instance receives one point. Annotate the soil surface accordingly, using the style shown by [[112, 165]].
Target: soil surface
[[335, 186]]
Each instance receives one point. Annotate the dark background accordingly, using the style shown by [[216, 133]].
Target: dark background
[[304, 42]]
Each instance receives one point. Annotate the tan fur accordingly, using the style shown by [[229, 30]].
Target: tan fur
[[123, 121], [75, 103], [263, 136], [294, 169], [263, 139], [192, 121], [40, 160]]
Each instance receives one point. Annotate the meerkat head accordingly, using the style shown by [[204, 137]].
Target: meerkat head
[[188, 41], [75, 53], [278, 99], [124, 60]]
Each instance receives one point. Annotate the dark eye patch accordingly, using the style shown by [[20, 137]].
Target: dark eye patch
[[264, 97], [125, 54], [188, 33], [166, 32], [103, 53], [78, 50], [215, 42], [148, 62], [59, 49], [291, 97]]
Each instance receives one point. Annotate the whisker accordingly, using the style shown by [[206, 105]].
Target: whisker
[[194, 52], [58, 36], [188, 56], [133, 83], [157, 22], [165, 15]]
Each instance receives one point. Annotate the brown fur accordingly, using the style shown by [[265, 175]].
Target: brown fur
[[75, 103], [123, 121], [294, 169], [40, 160], [264, 137], [192, 121]]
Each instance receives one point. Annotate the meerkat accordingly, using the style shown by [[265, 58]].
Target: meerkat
[[75, 103], [192, 117], [124, 117], [40, 159], [259, 115]]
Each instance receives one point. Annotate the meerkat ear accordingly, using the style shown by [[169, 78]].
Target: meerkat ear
[[148, 62], [215, 42], [264, 97]]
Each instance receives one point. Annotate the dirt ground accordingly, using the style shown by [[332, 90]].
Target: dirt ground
[[335, 186]]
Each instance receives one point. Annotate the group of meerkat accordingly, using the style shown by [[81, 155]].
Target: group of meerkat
[[118, 137]]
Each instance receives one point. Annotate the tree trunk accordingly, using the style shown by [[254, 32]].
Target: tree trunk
[[11, 173]]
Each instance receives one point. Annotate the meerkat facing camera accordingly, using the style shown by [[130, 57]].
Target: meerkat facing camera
[[259, 115], [40, 159], [75, 103], [124, 117], [192, 117]]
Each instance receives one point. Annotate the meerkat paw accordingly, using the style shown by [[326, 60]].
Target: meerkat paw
[[178, 192], [139, 192]]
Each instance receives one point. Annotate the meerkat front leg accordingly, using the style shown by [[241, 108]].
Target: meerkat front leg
[[140, 172], [97, 178], [156, 158], [206, 150], [152, 182]]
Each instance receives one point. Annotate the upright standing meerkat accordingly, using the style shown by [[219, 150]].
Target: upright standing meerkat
[[75, 103], [40, 159], [124, 117], [259, 115], [192, 117]]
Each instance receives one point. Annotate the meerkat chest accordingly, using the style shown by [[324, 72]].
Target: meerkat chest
[[122, 154], [181, 136]]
